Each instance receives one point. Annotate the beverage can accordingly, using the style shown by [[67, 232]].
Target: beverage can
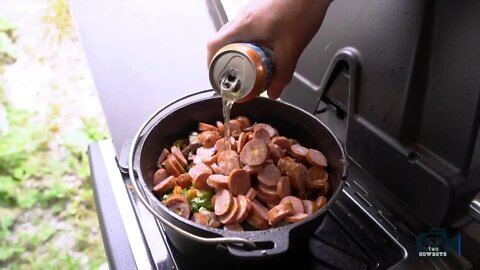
[[239, 69]]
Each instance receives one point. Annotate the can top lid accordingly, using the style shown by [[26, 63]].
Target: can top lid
[[236, 71]]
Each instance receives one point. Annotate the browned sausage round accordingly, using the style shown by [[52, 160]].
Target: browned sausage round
[[317, 173], [244, 207], [210, 218], [271, 130], [200, 181], [259, 210], [208, 138], [316, 158], [309, 207], [254, 153], [261, 134], [276, 152], [210, 160], [184, 180], [296, 203], [298, 175], [257, 222], [244, 121], [162, 157], [320, 186], [284, 187], [218, 181], [321, 201], [242, 140], [298, 151], [179, 156], [279, 212], [159, 175], [239, 181], [171, 169], [296, 217], [164, 185], [222, 145], [269, 176], [253, 169], [200, 218], [178, 204], [229, 216], [235, 126], [282, 141], [223, 202], [203, 153], [204, 127], [199, 168], [251, 194], [176, 164], [227, 161]]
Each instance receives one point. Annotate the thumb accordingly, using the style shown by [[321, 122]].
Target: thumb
[[285, 64]]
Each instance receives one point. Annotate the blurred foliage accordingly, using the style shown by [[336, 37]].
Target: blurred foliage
[[58, 15], [7, 49]]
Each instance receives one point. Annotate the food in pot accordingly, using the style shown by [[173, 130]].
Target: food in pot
[[256, 179]]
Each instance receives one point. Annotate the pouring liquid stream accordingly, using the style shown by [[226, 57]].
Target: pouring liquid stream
[[229, 94]]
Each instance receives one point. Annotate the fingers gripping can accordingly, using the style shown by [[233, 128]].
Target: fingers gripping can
[[240, 69]]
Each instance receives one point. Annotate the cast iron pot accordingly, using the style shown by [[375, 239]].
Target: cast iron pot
[[192, 239]]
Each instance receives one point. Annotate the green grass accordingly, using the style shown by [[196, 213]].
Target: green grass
[[36, 162]]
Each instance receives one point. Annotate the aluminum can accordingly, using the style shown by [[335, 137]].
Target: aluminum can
[[240, 69]]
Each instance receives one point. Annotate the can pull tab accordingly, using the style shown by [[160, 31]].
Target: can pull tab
[[230, 82]]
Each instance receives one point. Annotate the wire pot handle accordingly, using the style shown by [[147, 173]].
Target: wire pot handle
[[131, 172]]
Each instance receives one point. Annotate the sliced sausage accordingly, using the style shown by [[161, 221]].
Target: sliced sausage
[[253, 169], [244, 121], [271, 130], [199, 168], [279, 212], [317, 173], [179, 156], [254, 153], [282, 141], [296, 203], [251, 194], [159, 175], [298, 151], [209, 138], [284, 187], [269, 175], [235, 126], [215, 168], [200, 218], [316, 158], [204, 127], [257, 222], [171, 169], [176, 164], [218, 181], [223, 145], [298, 175], [239, 181], [233, 227], [210, 160], [276, 152], [211, 218], [223, 202], [228, 161], [200, 181], [230, 215], [178, 204], [242, 140], [244, 207], [261, 134], [270, 192], [321, 201], [164, 185], [285, 165], [162, 157], [184, 180], [259, 210], [203, 153], [320, 186], [309, 207], [296, 217]]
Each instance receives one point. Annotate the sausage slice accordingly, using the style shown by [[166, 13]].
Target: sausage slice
[[262, 134], [296, 203], [254, 153], [317, 173], [229, 216], [296, 217], [227, 161], [244, 121], [271, 130], [253, 169], [233, 227], [179, 155], [320, 186], [162, 157], [223, 202], [269, 176], [309, 207], [284, 187], [184, 180], [251, 193], [242, 140], [164, 185], [244, 207], [178, 204], [298, 151], [321, 201], [204, 127], [316, 158], [208, 138], [171, 169], [239, 181], [218, 181], [159, 175], [279, 212], [282, 141]]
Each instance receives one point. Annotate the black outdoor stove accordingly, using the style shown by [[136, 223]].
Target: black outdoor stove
[[399, 74]]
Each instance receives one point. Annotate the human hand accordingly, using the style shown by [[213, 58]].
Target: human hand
[[285, 26]]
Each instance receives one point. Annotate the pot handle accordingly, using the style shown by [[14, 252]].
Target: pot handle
[[131, 172], [267, 244]]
